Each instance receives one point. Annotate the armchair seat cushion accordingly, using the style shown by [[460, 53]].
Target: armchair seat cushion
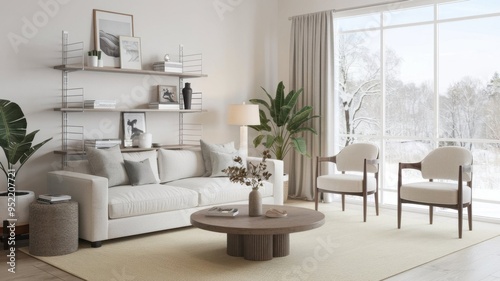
[[127, 201], [345, 183], [434, 193]]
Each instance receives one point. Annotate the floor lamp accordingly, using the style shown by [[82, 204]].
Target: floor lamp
[[243, 115]]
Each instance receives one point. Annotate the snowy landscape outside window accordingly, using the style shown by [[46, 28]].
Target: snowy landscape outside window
[[418, 75]]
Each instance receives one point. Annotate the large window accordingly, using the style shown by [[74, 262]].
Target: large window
[[412, 78]]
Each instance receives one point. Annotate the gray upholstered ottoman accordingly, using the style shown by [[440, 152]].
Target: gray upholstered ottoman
[[53, 228]]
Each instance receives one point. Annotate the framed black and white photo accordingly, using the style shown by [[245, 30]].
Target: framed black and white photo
[[168, 94], [134, 124], [108, 27], [130, 52]]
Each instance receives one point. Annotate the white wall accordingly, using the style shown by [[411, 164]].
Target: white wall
[[238, 40]]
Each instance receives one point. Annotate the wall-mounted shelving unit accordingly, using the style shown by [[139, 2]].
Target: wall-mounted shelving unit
[[73, 98]]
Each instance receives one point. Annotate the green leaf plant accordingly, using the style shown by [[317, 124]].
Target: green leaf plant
[[15, 143], [283, 130]]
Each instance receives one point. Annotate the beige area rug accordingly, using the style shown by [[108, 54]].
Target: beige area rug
[[344, 248]]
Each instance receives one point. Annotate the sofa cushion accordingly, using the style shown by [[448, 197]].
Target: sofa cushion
[[221, 161], [128, 201], [206, 148], [179, 164], [108, 163], [141, 155], [139, 172], [220, 190]]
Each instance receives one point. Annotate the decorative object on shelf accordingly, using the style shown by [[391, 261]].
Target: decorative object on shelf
[[254, 176], [168, 95], [108, 26], [243, 115], [18, 147], [145, 140], [130, 52], [94, 57], [187, 93], [134, 124], [281, 133]]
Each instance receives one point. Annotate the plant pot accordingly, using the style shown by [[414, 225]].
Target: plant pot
[[22, 204], [255, 203]]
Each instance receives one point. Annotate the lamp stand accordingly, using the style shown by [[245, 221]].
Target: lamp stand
[[244, 141]]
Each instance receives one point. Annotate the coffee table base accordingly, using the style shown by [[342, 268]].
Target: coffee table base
[[258, 247]]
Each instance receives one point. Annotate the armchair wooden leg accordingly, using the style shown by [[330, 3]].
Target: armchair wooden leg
[[364, 208], [469, 213], [460, 221], [316, 199], [376, 203], [343, 202], [431, 214], [399, 214]]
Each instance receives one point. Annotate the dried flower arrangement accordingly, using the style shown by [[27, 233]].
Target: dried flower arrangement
[[252, 176]]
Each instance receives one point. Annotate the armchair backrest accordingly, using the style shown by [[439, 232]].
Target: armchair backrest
[[351, 157], [443, 163]]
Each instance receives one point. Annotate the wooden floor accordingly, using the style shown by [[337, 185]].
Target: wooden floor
[[479, 263]]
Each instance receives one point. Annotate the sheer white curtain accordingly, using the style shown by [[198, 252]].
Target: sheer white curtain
[[311, 68]]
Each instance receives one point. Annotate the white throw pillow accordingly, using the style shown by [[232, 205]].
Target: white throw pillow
[[179, 164], [108, 163], [206, 148], [139, 156], [221, 161]]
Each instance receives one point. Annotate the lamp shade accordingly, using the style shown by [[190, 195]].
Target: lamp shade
[[243, 114]]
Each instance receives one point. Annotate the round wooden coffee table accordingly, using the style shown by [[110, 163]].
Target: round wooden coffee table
[[259, 238]]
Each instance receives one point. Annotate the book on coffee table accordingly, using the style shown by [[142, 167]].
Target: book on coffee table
[[222, 212]]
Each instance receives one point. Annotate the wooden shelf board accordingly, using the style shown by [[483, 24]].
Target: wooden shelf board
[[129, 149], [127, 110], [76, 67]]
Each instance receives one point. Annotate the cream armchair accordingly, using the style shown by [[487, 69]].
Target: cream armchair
[[358, 157], [444, 163]]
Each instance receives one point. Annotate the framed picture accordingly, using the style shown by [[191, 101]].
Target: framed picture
[[130, 52], [108, 27], [168, 94], [134, 124]]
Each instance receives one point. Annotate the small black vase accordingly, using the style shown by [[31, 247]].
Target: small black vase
[[186, 95]]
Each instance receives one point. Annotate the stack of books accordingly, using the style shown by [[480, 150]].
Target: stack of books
[[102, 143], [222, 212], [53, 198], [157, 105], [104, 104], [168, 66]]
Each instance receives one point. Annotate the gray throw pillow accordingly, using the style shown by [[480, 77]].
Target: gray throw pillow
[[206, 148], [139, 172], [221, 161], [108, 163]]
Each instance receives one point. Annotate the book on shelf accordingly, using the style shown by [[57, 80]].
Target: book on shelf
[[53, 198], [95, 104], [102, 143], [168, 66], [222, 212], [157, 105]]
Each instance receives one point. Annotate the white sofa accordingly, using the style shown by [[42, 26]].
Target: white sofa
[[179, 190]]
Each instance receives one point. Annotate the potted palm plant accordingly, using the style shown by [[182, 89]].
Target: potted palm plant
[[283, 130], [18, 148]]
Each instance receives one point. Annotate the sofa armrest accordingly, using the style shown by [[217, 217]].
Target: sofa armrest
[[91, 193], [275, 167]]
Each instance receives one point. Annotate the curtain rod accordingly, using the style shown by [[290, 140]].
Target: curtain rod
[[355, 8]]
